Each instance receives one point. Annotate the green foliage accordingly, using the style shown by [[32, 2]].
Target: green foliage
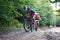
[[44, 9], [58, 20], [8, 11], [14, 24]]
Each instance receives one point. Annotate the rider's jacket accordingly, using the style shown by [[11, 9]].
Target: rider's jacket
[[34, 16]]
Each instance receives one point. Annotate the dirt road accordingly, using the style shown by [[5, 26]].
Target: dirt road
[[35, 35]]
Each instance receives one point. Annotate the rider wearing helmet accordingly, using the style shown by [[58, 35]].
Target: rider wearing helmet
[[32, 13], [25, 12]]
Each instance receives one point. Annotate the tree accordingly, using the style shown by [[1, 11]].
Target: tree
[[45, 11], [8, 11]]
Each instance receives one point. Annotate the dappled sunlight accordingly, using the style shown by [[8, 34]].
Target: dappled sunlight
[[30, 20], [55, 6]]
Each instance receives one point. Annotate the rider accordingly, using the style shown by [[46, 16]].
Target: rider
[[25, 12], [34, 15]]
